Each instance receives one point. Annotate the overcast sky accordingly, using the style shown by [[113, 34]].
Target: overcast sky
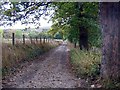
[[43, 24]]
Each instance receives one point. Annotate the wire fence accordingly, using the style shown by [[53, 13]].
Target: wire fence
[[27, 40]]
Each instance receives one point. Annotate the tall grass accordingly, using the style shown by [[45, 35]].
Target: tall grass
[[85, 63], [14, 55]]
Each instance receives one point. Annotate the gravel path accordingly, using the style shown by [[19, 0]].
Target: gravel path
[[51, 72]]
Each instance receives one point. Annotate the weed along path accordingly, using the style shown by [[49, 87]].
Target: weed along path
[[50, 72]]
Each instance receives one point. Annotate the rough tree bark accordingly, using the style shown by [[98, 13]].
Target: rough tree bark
[[110, 24]]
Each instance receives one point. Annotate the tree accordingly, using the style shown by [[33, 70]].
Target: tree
[[22, 11], [1, 32], [33, 34], [58, 36], [78, 16], [110, 27], [73, 15], [18, 34]]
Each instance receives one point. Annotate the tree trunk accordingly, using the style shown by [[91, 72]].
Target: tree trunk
[[83, 38], [110, 25], [83, 33]]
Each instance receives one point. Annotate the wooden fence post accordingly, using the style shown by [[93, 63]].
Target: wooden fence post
[[44, 40], [23, 39], [13, 38], [36, 39]]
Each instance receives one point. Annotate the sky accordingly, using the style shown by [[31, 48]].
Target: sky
[[43, 24]]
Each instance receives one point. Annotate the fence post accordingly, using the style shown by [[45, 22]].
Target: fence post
[[13, 38], [44, 40], [23, 39]]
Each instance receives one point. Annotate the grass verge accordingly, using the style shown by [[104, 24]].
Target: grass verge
[[86, 64], [12, 56]]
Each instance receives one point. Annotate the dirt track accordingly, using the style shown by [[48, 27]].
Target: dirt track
[[50, 71]]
